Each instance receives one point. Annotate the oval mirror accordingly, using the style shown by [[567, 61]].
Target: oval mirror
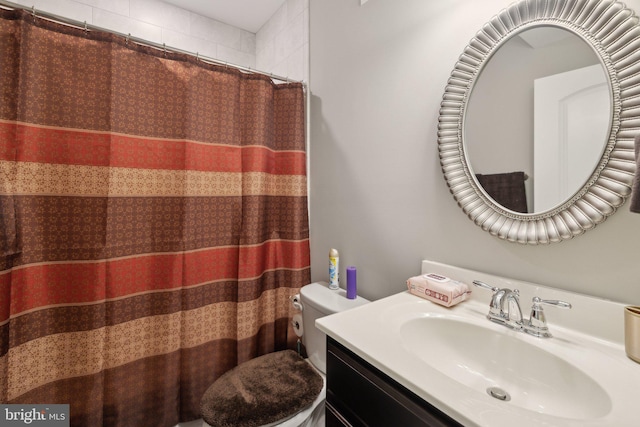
[[538, 118], [543, 102]]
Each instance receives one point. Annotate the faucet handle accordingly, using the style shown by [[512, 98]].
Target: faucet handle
[[480, 284], [560, 304], [537, 324], [495, 306]]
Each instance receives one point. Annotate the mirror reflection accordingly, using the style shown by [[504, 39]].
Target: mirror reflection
[[537, 119]]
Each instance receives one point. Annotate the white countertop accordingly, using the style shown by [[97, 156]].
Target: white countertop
[[372, 331]]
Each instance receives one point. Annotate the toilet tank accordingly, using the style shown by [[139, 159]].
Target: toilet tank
[[318, 301]]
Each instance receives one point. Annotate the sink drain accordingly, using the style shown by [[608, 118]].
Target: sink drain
[[498, 393]]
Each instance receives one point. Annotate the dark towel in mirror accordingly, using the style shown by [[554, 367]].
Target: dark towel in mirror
[[635, 192], [507, 189]]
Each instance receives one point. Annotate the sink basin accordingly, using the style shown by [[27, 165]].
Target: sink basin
[[481, 357], [451, 356]]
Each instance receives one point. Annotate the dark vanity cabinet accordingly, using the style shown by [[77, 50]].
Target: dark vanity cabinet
[[360, 395]]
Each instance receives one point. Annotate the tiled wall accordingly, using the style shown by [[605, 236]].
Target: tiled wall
[[281, 46]]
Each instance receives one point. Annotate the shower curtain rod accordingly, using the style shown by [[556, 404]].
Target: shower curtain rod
[[163, 47]]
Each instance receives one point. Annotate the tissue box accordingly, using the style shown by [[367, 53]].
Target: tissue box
[[439, 289]]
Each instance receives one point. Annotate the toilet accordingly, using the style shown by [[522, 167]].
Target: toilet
[[317, 300]]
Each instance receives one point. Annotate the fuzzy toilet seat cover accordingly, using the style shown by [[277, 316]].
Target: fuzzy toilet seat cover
[[261, 391]]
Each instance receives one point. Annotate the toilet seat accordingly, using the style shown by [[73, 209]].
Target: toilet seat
[[306, 395], [310, 416], [268, 388]]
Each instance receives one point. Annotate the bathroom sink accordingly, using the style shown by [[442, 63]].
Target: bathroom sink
[[483, 374], [518, 372]]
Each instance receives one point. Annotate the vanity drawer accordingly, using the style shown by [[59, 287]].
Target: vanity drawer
[[360, 395]]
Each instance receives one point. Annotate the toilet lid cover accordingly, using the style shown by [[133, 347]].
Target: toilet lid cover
[[261, 391]]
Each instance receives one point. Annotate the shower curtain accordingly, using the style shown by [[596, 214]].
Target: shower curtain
[[153, 222]]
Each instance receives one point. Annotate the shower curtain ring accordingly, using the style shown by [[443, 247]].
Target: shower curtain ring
[[164, 48], [197, 56], [85, 28], [33, 12], [126, 42]]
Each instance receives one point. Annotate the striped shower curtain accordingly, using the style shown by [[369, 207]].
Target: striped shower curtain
[[153, 222]]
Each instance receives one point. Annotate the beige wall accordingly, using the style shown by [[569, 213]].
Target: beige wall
[[377, 74]]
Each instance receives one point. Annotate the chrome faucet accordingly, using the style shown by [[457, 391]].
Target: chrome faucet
[[537, 324], [504, 309], [495, 306], [511, 309]]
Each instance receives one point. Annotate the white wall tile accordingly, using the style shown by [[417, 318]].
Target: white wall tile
[[295, 65], [280, 69], [202, 27], [161, 14], [282, 43], [223, 34], [305, 62], [295, 34], [236, 57], [66, 8], [125, 25], [295, 8], [120, 7], [248, 42], [305, 18], [262, 38], [275, 25], [280, 46], [189, 44], [265, 58]]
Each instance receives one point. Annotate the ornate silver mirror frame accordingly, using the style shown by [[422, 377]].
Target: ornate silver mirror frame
[[613, 31]]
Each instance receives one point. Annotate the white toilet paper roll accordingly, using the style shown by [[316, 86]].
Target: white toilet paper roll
[[295, 301], [297, 324]]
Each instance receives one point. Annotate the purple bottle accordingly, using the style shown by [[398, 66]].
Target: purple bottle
[[351, 283]]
